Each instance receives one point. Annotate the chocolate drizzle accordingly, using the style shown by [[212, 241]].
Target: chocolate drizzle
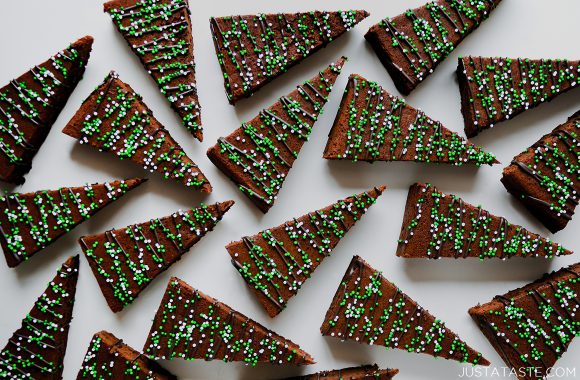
[[259, 155], [159, 32], [533, 326], [191, 325], [126, 260], [367, 308], [449, 227], [553, 163], [276, 262], [413, 44], [254, 49], [32, 221], [30, 104], [37, 349], [114, 119], [110, 358], [497, 89], [375, 125]]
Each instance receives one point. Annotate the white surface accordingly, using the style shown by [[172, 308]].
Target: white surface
[[32, 30]]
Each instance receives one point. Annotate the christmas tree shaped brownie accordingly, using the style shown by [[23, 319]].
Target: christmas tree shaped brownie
[[191, 325], [276, 262], [495, 89], [159, 33], [533, 326], [37, 349], [369, 309], [252, 50], [437, 225], [411, 45], [259, 155], [109, 358], [30, 104], [30, 222], [115, 119], [373, 125], [126, 261], [546, 177], [364, 372]]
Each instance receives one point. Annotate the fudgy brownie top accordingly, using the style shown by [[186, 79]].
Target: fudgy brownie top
[[254, 49], [276, 262]]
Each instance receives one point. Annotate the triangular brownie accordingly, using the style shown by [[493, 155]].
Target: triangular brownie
[[115, 119], [252, 50], [159, 33], [191, 325], [276, 262], [37, 349], [364, 372], [126, 261], [532, 327], [367, 308], [373, 125], [495, 89], [30, 222], [109, 358], [30, 104], [546, 177], [259, 155], [411, 45], [438, 225]]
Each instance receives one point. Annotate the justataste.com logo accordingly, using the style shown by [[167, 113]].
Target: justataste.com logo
[[524, 372]]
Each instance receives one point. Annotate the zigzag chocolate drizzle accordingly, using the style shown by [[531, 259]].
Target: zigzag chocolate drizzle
[[158, 31]]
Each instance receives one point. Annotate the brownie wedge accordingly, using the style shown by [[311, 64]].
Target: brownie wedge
[[108, 358], [252, 50], [159, 33], [191, 325], [373, 125], [533, 326], [412, 44], [259, 155], [37, 349], [114, 119], [276, 262], [546, 176], [31, 103], [125, 261], [495, 89], [369, 309], [438, 225], [29, 222]]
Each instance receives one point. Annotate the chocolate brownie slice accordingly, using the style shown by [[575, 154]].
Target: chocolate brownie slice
[[532, 327], [438, 225], [372, 125], [495, 89], [276, 262], [108, 358], [30, 104], [252, 50], [30, 222], [159, 33], [259, 155], [191, 325], [351, 373], [411, 45], [126, 261], [369, 309], [115, 119], [546, 177], [37, 349]]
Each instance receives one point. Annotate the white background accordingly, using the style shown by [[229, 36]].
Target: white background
[[32, 30]]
